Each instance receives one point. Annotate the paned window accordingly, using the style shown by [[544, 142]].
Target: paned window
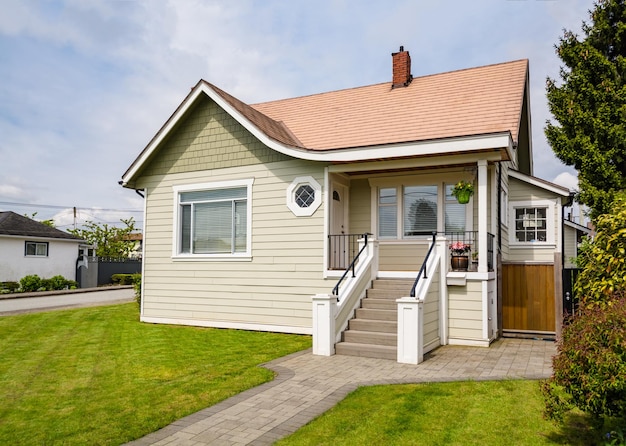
[[387, 212], [305, 195], [39, 249], [420, 210], [214, 221], [455, 212], [531, 224]]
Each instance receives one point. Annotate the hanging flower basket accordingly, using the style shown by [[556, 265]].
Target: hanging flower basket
[[463, 190]]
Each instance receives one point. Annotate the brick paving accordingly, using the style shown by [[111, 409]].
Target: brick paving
[[308, 385]]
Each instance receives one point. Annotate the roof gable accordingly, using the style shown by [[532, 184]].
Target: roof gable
[[16, 225]]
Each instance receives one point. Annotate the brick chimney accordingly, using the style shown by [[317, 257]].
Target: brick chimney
[[401, 69]]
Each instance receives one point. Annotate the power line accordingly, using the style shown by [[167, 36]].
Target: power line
[[49, 206]]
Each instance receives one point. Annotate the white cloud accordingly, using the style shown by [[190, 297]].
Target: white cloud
[[568, 180]]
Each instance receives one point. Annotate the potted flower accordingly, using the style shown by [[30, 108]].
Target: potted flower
[[459, 259], [462, 191]]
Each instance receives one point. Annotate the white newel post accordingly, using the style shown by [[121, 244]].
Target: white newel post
[[410, 330], [324, 310]]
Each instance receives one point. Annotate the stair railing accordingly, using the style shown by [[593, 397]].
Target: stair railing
[[352, 265], [422, 271]]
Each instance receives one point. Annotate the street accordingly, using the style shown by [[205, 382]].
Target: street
[[9, 306]]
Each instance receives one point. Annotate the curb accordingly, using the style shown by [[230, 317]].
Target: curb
[[58, 292]]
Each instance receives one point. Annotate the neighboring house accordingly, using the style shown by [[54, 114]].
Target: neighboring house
[[29, 247], [250, 210], [573, 237], [135, 249]]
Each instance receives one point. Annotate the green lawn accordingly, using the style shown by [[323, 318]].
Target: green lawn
[[458, 413], [98, 376]]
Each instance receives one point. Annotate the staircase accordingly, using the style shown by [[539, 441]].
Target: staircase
[[373, 331]]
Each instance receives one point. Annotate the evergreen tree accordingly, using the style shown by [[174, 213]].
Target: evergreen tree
[[590, 105]]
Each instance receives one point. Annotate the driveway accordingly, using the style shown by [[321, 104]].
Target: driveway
[[57, 300]]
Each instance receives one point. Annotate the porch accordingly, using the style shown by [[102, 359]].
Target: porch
[[411, 312]]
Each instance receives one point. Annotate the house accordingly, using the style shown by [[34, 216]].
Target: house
[[29, 247], [250, 210]]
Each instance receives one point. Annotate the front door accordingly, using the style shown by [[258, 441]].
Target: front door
[[338, 241]]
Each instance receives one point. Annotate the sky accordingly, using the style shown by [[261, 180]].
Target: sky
[[85, 84]]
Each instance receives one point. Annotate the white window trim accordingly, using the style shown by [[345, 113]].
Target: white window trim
[[36, 255], [399, 183], [550, 217], [291, 199], [239, 256]]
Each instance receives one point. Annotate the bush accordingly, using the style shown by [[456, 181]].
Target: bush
[[589, 370], [137, 287], [57, 283], [9, 287], [122, 279], [604, 260], [30, 283]]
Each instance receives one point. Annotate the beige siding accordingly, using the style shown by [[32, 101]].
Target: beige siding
[[401, 256], [360, 207], [465, 314], [431, 314], [275, 287], [521, 191]]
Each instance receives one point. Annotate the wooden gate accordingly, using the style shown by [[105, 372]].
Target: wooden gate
[[528, 298]]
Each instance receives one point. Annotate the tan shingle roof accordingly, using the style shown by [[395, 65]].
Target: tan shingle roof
[[467, 102]]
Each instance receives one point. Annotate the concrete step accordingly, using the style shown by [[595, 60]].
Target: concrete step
[[379, 304], [366, 350], [387, 294], [376, 326], [377, 314], [393, 284], [369, 337]]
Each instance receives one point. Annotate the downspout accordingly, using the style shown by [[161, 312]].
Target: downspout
[[138, 192]]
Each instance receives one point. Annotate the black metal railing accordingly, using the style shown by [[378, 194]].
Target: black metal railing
[[351, 242], [422, 271], [342, 248], [469, 239]]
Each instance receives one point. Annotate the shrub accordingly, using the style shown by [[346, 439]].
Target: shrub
[[137, 287], [589, 370], [30, 283], [604, 260], [122, 279], [57, 283], [9, 287]]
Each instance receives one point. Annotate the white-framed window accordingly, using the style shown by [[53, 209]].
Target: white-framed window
[[531, 222], [455, 212], [304, 196], [36, 249], [408, 211], [213, 220]]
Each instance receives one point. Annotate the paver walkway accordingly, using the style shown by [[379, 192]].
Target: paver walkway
[[308, 385]]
